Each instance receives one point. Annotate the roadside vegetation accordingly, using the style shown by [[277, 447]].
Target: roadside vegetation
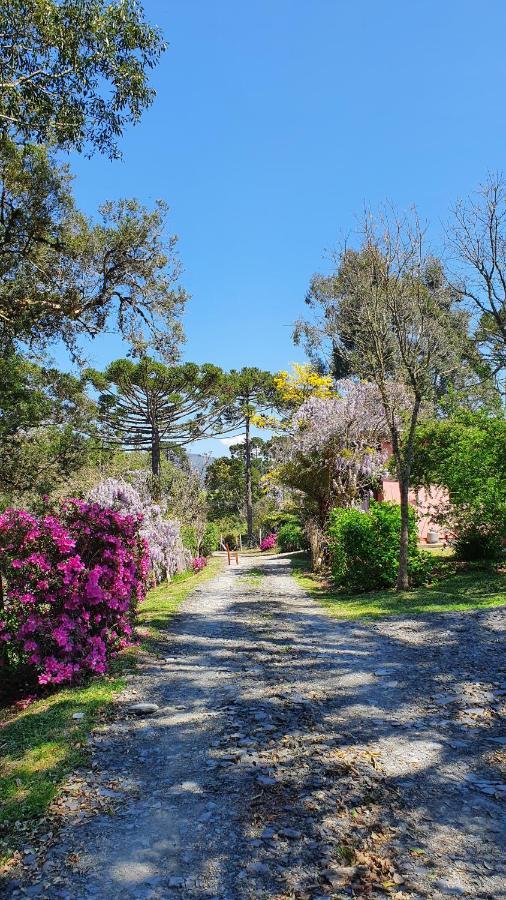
[[454, 587], [41, 744]]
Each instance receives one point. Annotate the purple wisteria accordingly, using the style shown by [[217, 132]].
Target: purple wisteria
[[338, 441], [167, 554]]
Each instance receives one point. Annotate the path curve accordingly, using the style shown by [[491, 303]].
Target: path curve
[[292, 756]]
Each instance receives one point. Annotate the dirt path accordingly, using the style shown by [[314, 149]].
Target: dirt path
[[291, 757]]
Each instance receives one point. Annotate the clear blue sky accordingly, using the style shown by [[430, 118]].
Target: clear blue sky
[[276, 120]]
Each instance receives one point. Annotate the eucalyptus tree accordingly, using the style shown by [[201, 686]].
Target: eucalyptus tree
[[148, 405], [248, 395], [74, 75], [388, 311]]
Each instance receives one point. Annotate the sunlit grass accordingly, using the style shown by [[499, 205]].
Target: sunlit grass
[[41, 745], [454, 590], [253, 577]]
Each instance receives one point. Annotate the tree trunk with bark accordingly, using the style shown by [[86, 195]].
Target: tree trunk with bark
[[402, 575], [249, 490], [155, 451]]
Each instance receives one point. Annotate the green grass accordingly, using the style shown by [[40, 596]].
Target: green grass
[[38, 749], [253, 578], [41, 745], [454, 590]]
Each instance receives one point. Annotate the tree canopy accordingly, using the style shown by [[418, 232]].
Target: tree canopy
[[47, 428], [389, 313], [74, 74], [147, 405], [63, 276]]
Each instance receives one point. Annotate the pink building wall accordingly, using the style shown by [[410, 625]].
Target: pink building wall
[[425, 503]]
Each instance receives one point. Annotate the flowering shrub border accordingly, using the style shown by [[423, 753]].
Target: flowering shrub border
[[268, 542], [167, 553], [73, 585]]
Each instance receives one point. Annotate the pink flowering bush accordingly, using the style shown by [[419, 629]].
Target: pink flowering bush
[[268, 542], [73, 585], [199, 563]]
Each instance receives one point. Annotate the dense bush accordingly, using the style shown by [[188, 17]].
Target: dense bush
[[211, 539], [268, 542], [73, 585], [291, 537], [199, 563], [479, 533], [190, 540], [466, 455], [275, 519], [364, 547]]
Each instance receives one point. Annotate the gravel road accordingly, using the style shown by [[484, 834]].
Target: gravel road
[[291, 756]]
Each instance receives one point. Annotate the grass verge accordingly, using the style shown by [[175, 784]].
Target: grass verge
[[455, 589], [41, 745]]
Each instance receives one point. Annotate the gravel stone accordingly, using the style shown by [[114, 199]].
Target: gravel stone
[[179, 806]]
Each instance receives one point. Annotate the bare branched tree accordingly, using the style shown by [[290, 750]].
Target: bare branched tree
[[477, 235], [387, 313]]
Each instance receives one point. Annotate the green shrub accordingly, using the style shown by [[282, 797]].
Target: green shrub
[[189, 539], [273, 520], [364, 547], [211, 539], [479, 533], [291, 537]]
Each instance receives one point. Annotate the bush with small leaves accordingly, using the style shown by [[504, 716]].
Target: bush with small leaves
[[364, 547]]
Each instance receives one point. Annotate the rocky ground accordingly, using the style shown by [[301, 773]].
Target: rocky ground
[[285, 755]]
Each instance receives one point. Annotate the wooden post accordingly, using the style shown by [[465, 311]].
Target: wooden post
[[236, 558], [228, 553]]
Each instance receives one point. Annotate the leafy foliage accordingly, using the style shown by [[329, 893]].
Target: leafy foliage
[[364, 547], [74, 74], [248, 395], [63, 275], [211, 539], [47, 423], [291, 537], [225, 479], [466, 454]]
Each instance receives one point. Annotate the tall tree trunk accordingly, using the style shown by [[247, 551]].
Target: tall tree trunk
[[249, 491], [404, 461], [155, 451], [155, 463], [402, 575]]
